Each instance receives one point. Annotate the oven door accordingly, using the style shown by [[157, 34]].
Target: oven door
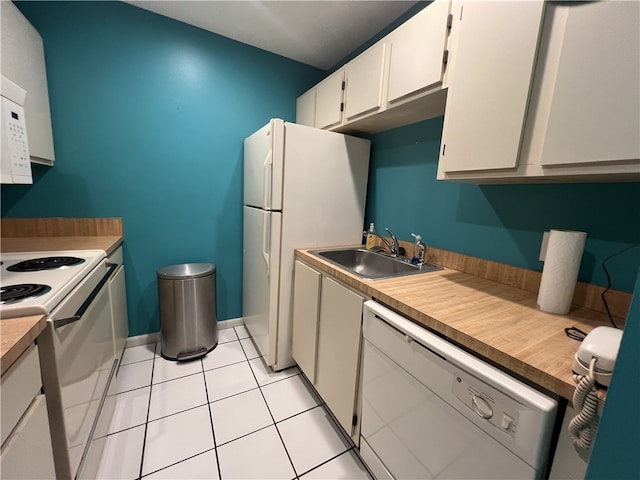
[[77, 360]]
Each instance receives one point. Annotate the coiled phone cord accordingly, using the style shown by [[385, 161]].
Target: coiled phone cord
[[585, 399]]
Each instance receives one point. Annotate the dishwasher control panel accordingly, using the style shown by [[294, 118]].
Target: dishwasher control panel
[[484, 404]]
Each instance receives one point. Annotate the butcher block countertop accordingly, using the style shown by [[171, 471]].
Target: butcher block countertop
[[16, 335], [48, 234], [108, 243], [496, 321]]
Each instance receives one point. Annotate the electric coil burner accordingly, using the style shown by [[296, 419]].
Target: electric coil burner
[[46, 263], [15, 293], [36, 282]]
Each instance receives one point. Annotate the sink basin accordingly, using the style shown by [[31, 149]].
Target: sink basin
[[371, 265]]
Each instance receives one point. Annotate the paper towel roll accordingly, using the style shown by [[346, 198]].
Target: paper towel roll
[[560, 271]]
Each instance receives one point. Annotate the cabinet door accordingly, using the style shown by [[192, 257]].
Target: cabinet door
[[364, 81], [306, 295], [329, 96], [18, 386], [28, 453], [417, 47], [23, 64], [489, 89], [306, 108], [339, 334], [119, 316], [594, 114]]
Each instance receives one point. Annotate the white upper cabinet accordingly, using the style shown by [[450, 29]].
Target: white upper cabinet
[[306, 108], [23, 64], [364, 82], [574, 118], [594, 114], [329, 98], [416, 52], [493, 57], [396, 81]]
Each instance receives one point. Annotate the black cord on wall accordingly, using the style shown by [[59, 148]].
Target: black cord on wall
[[606, 272]]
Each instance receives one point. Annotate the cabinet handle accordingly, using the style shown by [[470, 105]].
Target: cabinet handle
[[61, 322]]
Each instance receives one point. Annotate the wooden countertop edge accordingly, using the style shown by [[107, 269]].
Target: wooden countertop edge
[[61, 226], [562, 386], [16, 334], [108, 243]]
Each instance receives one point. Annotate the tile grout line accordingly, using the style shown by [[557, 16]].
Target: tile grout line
[[295, 472], [180, 461], [329, 413], [350, 445], [213, 430], [146, 423], [325, 462], [202, 372]]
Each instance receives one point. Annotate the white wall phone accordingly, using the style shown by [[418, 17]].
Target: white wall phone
[[602, 343], [16, 162], [593, 363]]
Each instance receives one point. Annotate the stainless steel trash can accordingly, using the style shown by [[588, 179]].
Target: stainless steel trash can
[[188, 320]]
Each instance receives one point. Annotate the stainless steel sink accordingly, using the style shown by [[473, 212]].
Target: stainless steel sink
[[371, 265]]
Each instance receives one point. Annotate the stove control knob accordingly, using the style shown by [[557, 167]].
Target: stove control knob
[[481, 406]]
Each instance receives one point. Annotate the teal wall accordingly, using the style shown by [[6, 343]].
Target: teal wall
[[615, 451], [149, 116], [498, 222]]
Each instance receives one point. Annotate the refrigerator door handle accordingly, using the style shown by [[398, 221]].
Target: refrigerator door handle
[[266, 181], [266, 217]]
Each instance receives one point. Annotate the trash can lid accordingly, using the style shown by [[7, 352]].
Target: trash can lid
[[186, 270]]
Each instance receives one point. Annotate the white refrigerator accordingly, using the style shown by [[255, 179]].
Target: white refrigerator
[[303, 187]]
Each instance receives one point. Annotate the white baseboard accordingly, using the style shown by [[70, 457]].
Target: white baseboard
[[143, 339], [155, 337], [232, 322]]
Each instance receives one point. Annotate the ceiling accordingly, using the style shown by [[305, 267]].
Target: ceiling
[[317, 33]]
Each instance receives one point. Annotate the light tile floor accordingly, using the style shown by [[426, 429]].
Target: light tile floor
[[224, 416]]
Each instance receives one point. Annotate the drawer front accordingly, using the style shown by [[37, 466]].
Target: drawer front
[[28, 453], [20, 384]]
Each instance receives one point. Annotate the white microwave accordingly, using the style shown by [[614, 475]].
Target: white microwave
[[16, 162]]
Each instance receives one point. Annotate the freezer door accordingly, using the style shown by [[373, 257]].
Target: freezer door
[[261, 270], [263, 166]]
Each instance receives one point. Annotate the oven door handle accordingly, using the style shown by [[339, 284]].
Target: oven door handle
[[61, 322]]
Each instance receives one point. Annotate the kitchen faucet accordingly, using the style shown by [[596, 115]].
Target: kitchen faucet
[[393, 247]]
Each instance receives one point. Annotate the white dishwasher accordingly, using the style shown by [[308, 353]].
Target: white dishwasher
[[431, 410]]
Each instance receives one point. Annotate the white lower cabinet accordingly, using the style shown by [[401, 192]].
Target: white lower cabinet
[[338, 358], [327, 333], [569, 462], [118, 298], [306, 299], [26, 440]]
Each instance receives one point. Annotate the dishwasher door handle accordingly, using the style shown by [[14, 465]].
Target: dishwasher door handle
[[61, 322]]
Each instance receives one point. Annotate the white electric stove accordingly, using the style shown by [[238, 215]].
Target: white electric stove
[[36, 282], [76, 349]]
